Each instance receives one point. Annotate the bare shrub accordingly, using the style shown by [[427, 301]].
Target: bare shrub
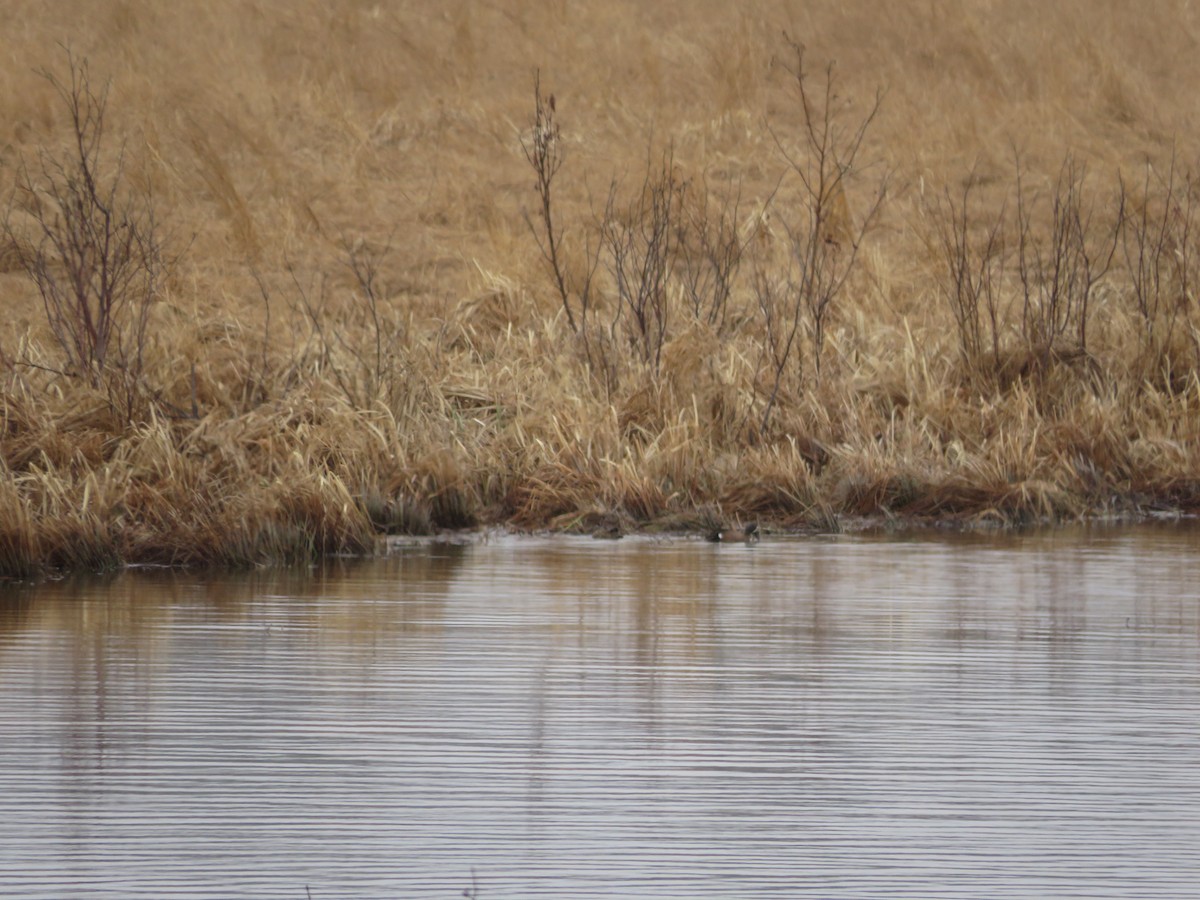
[[1157, 244], [973, 256], [1060, 263], [823, 238], [357, 346], [668, 250], [711, 255], [544, 153], [97, 255], [642, 241]]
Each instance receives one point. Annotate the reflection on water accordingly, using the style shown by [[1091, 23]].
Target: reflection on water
[[851, 717]]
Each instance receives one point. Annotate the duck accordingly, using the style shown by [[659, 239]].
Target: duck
[[747, 535]]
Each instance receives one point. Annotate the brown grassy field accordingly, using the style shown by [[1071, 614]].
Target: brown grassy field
[[806, 263]]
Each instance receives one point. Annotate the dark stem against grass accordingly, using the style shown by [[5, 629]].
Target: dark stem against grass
[[1157, 249], [823, 238], [543, 151], [311, 305], [643, 241], [365, 268], [259, 382], [363, 360], [97, 256], [1058, 274], [712, 258], [973, 275], [781, 323]]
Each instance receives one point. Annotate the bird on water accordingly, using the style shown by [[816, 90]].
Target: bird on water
[[747, 535]]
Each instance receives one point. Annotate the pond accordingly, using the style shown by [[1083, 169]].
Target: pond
[[852, 716]]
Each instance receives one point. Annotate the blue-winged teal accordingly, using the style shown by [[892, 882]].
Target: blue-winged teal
[[747, 535]]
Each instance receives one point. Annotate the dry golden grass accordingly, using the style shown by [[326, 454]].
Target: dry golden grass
[[293, 403]]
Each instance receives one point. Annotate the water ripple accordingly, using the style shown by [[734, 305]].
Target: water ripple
[[859, 717]]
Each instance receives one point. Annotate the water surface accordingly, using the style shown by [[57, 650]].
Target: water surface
[[999, 716]]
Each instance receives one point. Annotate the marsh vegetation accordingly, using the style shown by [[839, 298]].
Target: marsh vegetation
[[279, 284]]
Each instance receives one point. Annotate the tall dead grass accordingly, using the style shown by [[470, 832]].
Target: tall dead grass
[[717, 314]]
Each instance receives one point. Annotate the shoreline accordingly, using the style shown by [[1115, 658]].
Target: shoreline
[[696, 528]]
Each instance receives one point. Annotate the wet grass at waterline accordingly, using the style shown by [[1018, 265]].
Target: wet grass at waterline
[[293, 480], [585, 301]]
